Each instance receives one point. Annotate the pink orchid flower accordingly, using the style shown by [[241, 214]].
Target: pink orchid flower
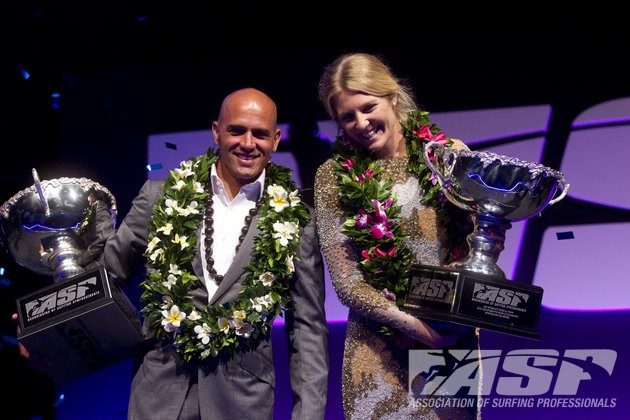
[[379, 210], [380, 253], [361, 219], [380, 230], [425, 134], [347, 164], [367, 174]]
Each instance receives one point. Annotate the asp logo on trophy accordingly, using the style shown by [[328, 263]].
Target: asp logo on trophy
[[64, 298]]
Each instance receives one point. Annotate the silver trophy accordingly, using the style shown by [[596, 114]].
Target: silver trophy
[[497, 190], [44, 225], [83, 321]]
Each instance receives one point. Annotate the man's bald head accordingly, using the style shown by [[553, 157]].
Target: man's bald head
[[249, 98]]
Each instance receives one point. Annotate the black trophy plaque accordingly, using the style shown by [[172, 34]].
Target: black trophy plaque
[[473, 299], [79, 325]]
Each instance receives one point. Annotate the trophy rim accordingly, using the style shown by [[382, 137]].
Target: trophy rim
[[5, 209], [487, 158]]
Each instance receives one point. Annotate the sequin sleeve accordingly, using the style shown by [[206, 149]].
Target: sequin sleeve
[[342, 256]]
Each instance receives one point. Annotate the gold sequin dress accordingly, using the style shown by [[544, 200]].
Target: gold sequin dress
[[375, 368]]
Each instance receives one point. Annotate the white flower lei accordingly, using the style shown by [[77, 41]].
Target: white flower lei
[[243, 323]]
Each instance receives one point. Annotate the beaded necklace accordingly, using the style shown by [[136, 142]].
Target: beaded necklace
[[209, 231]]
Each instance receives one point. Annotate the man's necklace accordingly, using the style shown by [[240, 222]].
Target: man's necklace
[[209, 231]]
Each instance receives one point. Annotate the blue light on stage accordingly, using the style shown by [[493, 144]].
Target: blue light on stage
[[55, 100], [154, 166], [25, 74]]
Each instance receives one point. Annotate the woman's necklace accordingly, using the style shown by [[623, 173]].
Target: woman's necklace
[[209, 231]]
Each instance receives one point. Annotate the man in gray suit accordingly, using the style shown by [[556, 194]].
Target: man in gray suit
[[172, 383]]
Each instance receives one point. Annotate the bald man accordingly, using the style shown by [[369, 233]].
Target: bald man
[[239, 386]]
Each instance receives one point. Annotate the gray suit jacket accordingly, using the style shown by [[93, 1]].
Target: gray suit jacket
[[242, 388]]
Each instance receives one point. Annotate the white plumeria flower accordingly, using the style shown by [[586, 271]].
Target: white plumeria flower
[[152, 243], [285, 231], [239, 315], [172, 318], [290, 264], [158, 254], [191, 209], [182, 173], [194, 315], [203, 333], [170, 206], [178, 185], [181, 240], [166, 229], [260, 303], [174, 269], [294, 199], [170, 281], [256, 304], [278, 197], [266, 278], [269, 299], [224, 325], [198, 187]]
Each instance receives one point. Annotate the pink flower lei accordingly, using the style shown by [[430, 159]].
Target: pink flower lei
[[371, 212]]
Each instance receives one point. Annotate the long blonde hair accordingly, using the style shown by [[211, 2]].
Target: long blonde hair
[[368, 74]]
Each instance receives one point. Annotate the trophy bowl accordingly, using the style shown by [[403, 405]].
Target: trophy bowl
[[43, 226], [497, 190], [474, 291]]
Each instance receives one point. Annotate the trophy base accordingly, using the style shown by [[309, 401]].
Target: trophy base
[[473, 299], [79, 325]]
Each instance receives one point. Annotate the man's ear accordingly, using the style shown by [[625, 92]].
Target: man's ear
[[276, 139], [215, 131]]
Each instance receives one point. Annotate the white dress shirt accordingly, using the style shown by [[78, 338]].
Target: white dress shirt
[[228, 221]]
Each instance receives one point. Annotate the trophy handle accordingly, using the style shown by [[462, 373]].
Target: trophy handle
[[565, 187], [444, 183], [40, 191], [441, 180]]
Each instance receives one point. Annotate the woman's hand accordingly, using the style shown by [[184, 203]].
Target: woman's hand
[[418, 330], [36, 361]]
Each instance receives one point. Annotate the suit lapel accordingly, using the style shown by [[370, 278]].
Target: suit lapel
[[241, 259]]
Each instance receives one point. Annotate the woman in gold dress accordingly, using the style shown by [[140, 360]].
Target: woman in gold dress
[[378, 211]]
